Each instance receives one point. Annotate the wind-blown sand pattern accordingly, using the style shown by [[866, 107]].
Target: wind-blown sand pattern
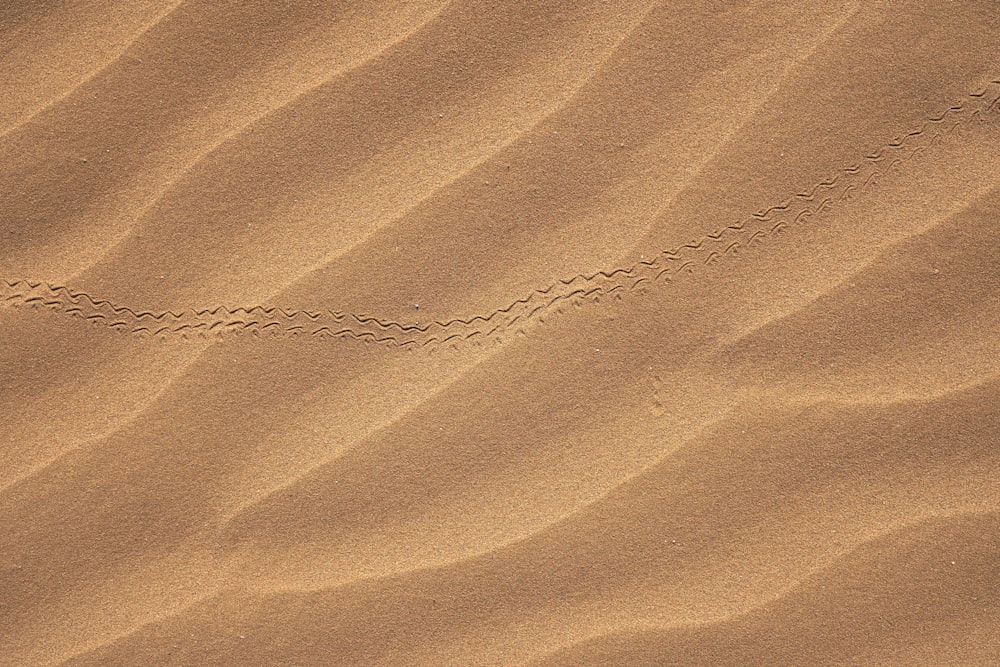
[[471, 333]]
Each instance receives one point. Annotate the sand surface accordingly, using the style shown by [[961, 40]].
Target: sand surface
[[499, 333]]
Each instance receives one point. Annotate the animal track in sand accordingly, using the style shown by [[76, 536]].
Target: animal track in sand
[[667, 266]]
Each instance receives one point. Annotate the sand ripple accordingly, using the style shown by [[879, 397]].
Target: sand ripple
[[454, 332]]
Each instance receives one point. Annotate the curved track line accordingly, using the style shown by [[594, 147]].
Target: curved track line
[[274, 321]]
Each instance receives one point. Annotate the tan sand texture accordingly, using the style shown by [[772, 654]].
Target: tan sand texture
[[499, 333]]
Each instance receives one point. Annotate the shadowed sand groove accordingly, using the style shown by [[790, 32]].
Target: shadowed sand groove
[[456, 332]]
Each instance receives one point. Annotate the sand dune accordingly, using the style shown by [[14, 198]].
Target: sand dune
[[523, 333]]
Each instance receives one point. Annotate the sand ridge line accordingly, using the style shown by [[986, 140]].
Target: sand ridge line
[[663, 269], [889, 537]]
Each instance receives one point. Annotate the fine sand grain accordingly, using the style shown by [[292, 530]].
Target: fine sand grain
[[440, 332]]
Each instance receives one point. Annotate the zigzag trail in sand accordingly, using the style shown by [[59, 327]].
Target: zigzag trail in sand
[[667, 266]]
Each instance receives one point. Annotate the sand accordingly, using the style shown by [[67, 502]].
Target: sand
[[480, 333]]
